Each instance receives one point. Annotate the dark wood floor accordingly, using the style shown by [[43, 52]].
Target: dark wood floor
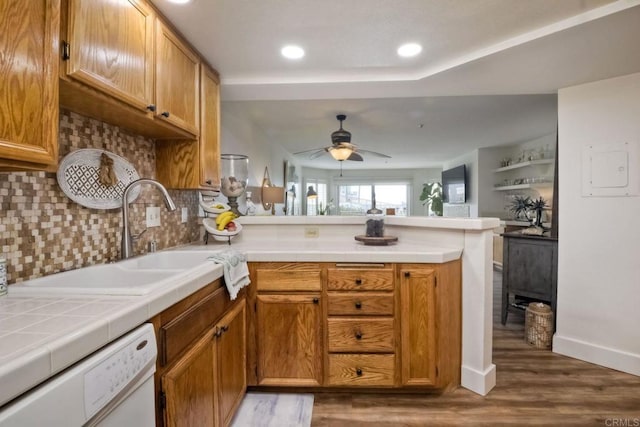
[[534, 387]]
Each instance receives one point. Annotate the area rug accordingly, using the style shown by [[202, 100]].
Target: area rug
[[274, 410]]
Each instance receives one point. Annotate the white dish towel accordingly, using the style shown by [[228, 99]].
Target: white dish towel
[[236, 271]]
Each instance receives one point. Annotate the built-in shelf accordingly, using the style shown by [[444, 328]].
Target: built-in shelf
[[525, 164], [524, 186]]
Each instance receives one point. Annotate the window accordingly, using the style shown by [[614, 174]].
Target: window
[[316, 205], [356, 199]]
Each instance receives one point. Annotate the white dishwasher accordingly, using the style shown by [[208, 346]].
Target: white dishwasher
[[112, 387]]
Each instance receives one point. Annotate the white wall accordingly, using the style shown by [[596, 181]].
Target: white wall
[[599, 237], [239, 136]]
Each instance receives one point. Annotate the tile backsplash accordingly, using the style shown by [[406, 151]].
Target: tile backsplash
[[42, 231]]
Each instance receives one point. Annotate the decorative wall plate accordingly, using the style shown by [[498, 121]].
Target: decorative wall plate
[[78, 178]]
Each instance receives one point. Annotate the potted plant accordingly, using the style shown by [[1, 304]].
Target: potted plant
[[520, 206], [538, 206], [432, 194]]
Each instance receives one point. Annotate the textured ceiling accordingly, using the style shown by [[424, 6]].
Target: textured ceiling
[[485, 48]]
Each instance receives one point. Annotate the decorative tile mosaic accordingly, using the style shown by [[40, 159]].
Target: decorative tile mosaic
[[44, 232]]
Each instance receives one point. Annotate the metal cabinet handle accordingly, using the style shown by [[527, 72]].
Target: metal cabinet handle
[[359, 372], [217, 333], [151, 107], [316, 300], [225, 328], [407, 274], [165, 114], [358, 335], [208, 182], [358, 305], [358, 281]]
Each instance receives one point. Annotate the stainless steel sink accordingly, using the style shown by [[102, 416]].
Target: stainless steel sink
[[134, 276]]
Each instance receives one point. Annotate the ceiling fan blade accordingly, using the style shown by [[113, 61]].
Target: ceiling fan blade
[[317, 154], [355, 157], [307, 151], [374, 153]]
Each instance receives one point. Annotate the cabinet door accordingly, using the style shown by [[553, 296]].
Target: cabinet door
[[111, 48], [209, 128], [189, 386], [418, 326], [177, 81], [231, 355], [29, 48], [289, 332]]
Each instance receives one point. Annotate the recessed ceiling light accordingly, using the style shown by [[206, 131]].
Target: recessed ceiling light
[[179, 1], [292, 52], [409, 49]]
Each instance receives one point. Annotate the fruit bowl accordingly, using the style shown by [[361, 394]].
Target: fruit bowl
[[214, 207], [220, 235]]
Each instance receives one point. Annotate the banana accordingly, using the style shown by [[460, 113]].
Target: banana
[[222, 216], [226, 220]]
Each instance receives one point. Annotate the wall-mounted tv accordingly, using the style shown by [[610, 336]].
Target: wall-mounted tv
[[454, 185]]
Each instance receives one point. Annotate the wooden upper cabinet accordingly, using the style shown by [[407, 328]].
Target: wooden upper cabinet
[[193, 164], [29, 48], [209, 153], [177, 81], [110, 48]]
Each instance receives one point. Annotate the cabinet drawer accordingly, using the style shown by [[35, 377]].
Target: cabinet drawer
[[360, 303], [178, 333], [360, 279], [288, 280], [360, 335], [357, 370]]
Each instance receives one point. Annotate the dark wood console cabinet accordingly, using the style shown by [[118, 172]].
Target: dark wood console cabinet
[[529, 271]]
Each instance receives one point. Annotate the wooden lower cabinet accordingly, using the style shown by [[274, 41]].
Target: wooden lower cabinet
[[430, 316], [201, 371], [289, 339], [355, 325]]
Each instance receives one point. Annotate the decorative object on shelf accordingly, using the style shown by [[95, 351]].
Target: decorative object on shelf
[[79, 178], [235, 173], [432, 195], [520, 207], [324, 210], [251, 207], [376, 241], [270, 193], [538, 205]]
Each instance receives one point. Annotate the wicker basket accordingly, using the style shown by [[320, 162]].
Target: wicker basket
[[538, 325]]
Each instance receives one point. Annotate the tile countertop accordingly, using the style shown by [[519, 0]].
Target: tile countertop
[[44, 334]]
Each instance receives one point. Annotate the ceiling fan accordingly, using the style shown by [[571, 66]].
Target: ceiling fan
[[341, 149]]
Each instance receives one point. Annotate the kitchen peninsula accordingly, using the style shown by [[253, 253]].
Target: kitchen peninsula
[[268, 241]]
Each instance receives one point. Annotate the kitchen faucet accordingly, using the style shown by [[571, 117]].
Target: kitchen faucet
[[126, 249]]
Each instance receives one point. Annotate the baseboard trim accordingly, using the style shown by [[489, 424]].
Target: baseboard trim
[[478, 382], [592, 353]]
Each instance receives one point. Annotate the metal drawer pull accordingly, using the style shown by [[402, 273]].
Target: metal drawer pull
[[359, 372], [316, 300], [358, 281], [358, 335], [165, 114], [358, 305]]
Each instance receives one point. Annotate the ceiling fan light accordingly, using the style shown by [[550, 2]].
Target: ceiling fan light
[[340, 153]]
